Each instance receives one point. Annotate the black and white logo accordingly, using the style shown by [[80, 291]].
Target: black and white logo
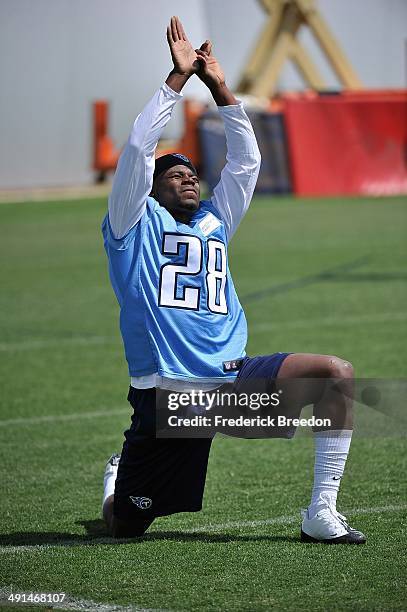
[[144, 503], [183, 157]]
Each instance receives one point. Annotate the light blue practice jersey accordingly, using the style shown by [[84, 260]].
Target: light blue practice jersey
[[180, 316]]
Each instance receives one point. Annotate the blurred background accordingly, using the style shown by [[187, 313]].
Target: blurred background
[[58, 58]]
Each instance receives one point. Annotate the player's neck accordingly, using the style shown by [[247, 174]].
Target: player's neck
[[181, 217]]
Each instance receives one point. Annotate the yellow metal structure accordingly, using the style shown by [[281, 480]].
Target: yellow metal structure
[[279, 42]]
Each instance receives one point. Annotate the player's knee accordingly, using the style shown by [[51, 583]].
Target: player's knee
[[129, 529], [107, 508], [107, 512], [340, 368]]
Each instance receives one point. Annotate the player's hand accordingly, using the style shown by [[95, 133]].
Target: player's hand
[[210, 71], [183, 55]]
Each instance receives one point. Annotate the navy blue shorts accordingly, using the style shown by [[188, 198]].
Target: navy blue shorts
[[159, 476], [261, 367]]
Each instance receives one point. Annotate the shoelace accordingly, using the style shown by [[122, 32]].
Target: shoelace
[[343, 520], [339, 516]]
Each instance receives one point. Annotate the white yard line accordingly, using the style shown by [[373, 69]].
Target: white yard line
[[329, 321], [43, 194], [40, 343], [202, 529], [84, 604], [286, 520], [73, 603], [53, 418], [64, 544]]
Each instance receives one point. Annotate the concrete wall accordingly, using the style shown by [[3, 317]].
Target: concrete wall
[[56, 56]]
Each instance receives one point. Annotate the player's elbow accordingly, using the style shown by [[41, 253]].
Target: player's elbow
[[137, 136], [257, 155], [135, 143], [256, 159], [256, 163], [249, 164]]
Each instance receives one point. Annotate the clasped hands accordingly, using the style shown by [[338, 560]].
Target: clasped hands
[[188, 61]]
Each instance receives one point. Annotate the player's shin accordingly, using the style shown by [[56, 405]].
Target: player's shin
[[331, 453], [109, 481]]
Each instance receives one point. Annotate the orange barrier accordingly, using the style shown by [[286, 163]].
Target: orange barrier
[[106, 156], [189, 143], [353, 143]]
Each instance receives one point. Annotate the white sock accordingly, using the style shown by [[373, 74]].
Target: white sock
[[331, 452], [109, 481]]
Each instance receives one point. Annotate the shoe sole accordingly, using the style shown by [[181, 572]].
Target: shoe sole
[[345, 539]]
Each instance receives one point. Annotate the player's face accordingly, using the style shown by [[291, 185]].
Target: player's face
[[177, 189]]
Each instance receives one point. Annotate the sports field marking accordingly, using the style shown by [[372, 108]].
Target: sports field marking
[[54, 194], [210, 528], [285, 520], [323, 275], [84, 604], [72, 603], [39, 343], [35, 344], [329, 321], [52, 418]]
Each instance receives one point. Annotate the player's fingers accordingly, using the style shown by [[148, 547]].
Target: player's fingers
[[206, 46], [201, 58], [169, 35], [174, 29], [181, 30]]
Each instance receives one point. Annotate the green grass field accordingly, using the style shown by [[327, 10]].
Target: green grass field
[[324, 276]]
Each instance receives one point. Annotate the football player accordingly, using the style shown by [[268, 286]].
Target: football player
[[180, 317]]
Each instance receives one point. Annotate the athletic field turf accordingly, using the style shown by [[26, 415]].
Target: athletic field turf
[[320, 276]]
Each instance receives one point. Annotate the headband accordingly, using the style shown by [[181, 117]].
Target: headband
[[165, 162]]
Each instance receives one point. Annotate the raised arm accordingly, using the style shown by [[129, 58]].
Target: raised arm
[[134, 174], [233, 193]]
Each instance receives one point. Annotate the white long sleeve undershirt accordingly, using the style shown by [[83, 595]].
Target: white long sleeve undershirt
[[134, 174]]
